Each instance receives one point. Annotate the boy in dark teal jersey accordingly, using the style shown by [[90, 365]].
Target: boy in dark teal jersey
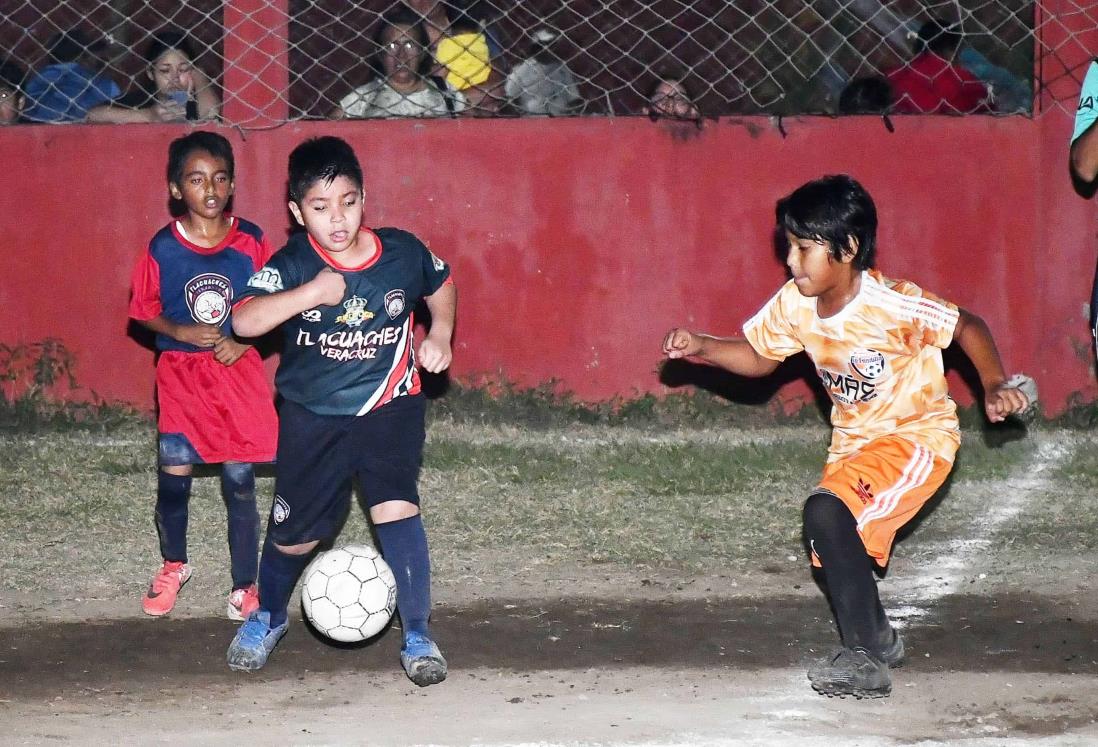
[[344, 296]]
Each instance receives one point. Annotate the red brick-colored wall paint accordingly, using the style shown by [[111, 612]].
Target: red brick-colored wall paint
[[576, 243]]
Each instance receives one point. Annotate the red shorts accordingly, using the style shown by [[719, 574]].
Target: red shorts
[[884, 484], [225, 412]]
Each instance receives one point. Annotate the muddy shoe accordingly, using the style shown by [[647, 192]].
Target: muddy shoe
[[851, 671], [422, 660], [893, 656]]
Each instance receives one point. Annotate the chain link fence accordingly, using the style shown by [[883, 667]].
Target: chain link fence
[[90, 59]]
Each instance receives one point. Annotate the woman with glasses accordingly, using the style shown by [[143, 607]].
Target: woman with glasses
[[403, 85]]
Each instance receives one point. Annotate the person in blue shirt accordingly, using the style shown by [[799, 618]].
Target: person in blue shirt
[[69, 86]]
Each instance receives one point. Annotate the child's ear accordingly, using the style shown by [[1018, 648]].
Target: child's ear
[[174, 191], [297, 213], [850, 251]]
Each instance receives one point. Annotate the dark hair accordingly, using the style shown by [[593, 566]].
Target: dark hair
[[166, 39], [321, 159], [939, 37], [400, 16], [12, 75], [871, 94], [209, 142], [70, 46], [833, 209]]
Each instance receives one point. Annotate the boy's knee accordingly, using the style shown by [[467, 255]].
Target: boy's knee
[[395, 510], [823, 512], [238, 481], [302, 549]]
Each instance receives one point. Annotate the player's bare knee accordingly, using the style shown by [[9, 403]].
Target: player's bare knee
[[179, 470], [388, 511], [301, 549]]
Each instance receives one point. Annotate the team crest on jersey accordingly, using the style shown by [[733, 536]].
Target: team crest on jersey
[[438, 263], [394, 303], [208, 297], [267, 279], [280, 510], [354, 312], [868, 363]]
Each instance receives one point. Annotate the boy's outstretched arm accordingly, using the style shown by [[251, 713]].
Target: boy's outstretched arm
[[260, 314], [435, 352], [734, 354], [973, 336]]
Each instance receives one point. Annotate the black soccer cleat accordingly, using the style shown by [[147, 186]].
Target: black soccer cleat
[[851, 671]]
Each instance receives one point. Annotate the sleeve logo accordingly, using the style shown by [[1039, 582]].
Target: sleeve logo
[[267, 279]]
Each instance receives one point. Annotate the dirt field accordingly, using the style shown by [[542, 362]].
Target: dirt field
[[656, 661], [551, 645]]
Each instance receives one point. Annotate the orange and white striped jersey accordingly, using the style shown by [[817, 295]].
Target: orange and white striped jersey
[[880, 360]]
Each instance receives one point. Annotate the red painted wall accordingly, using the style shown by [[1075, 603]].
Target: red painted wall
[[577, 243]]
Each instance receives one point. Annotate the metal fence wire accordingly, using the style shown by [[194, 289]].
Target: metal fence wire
[[156, 60]]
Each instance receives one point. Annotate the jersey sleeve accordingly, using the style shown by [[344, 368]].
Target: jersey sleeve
[[145, 301], [772, 332], [1087, 113], [933, 320], [436, 273], [279, 273]]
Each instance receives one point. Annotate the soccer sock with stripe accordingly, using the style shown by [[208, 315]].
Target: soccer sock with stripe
[[832, 533], [404, 547], [278, 574], [238, 492], [172, 494]]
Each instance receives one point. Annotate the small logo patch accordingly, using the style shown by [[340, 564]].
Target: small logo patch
[[394, 303], [312, 315], [280, 510], [354, 312], [868, 363], [268, 279], [208, 297], [438, 263], [864, 491]]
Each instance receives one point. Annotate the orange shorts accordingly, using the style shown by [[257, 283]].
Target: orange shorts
[[884, 484]]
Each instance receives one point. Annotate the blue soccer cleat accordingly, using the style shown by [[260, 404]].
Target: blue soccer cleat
[[422, 660], [254, 642]]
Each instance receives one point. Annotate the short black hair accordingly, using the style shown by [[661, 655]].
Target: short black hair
[[12, 76], [166, 39], [870, 94], [939, 37], [834, 209], [321, 159], [200, 140]]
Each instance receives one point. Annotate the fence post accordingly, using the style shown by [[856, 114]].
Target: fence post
[[256, 48]]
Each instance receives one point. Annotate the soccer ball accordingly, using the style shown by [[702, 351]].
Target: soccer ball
[[349, 593]]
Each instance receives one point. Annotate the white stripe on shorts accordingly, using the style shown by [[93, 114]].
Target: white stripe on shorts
[[916, 472]]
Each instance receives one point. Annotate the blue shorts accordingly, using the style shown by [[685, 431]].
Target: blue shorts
[[320, 455]]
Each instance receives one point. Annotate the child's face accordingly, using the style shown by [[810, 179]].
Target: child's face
[[206, 185], [815, 271], [11, 104], [401, 53], [332, 214]]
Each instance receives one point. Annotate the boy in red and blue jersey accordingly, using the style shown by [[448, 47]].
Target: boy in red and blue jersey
[[344, 296], [214, 401]]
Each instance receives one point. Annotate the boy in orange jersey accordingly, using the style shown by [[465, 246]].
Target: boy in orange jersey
[[876, 344]]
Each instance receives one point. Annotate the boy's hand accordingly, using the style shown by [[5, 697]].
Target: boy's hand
[[199, 335], [1003, 400], [328, 287], [228, 351], [681, 343], [434, 355]]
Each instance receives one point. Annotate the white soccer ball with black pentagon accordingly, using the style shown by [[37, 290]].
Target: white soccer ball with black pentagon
[[349, 593]]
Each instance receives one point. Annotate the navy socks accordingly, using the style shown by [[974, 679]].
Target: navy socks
[[278, 574], [404, 547], [238, 491], [172, 494]]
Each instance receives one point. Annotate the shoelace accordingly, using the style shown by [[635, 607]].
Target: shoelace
[[163, 580]]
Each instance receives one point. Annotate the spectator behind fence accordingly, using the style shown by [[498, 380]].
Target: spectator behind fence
[[402, 85], [180, 89], [12, 98], [933, 83], [870, 94], [542, 83], [65, 89], [671, 99]]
